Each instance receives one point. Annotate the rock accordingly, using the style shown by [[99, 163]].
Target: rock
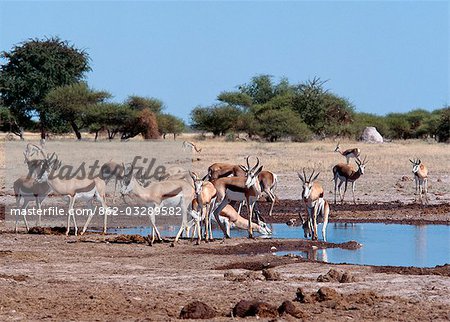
[[254, 308], [332, 276], [370, 134], [347, 278], [327, 294], [197, 310], [336, 276], [291, 308], [302, 297], [271, 275]]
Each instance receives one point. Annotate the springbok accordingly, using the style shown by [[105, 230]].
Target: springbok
[[349, 153], [159, 195], [317, 207], [346, 173], [239, 189], [268, 182], [112, 170], [27, 189], [74, 188], [421, 178], [191, 145], [230, 216], [222, 170], [205, 196]]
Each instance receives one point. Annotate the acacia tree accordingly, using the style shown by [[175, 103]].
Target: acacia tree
[[35, 67], [168, 123], [71, 103]]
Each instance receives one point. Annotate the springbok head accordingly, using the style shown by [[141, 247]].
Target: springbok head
[[416, 165], [198, 182], [307, 183], [127, 179], [306, 225], [50, 163], [361, 164], [251, 173]]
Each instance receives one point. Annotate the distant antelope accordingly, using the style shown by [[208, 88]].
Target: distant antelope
[[317, 207], [421, 178], [193, 146], [350, 153], [346, 173]]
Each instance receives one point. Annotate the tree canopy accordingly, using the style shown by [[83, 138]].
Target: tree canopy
[[35, 67]]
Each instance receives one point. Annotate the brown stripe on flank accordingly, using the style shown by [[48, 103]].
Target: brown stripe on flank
[[172, 193]]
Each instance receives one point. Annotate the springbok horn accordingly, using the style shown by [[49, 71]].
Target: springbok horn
[[304, 174], [248, 163], [314, 179], [257, 164], [311, 175]]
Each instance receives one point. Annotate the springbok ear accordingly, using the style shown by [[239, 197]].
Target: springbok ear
[[411, 161], [300, 177], [259, 170], [205, 177]]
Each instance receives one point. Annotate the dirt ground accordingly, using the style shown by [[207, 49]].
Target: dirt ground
[[96, 277]]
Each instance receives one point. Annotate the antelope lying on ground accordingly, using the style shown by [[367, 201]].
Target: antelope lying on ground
[[230, 216], [317, 207], [421, 178], [350, 153], [346, 173]]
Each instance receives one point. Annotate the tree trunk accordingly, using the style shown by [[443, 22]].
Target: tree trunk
[[76, 129]]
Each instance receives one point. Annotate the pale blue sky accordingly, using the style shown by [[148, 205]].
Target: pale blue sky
[[383, 56]]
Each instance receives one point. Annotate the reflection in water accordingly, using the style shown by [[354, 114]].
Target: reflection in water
[[398, 245], [421, 244]]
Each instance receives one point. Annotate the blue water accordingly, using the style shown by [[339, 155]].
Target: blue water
[[383, 244]]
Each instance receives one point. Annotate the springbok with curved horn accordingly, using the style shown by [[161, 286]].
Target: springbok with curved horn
[[317, 207], [421, 178], [26, 188], [238, 189], [346, 173], [349, 153]]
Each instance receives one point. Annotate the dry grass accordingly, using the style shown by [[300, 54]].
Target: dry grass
[[382, 182]]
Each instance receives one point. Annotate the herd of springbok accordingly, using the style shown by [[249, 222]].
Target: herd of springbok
[[199, 199]]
